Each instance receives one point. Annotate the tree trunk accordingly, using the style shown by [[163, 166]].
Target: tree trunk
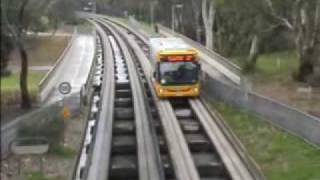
[[198, 26], [25, 97], [306, 64], [208, 16], [197, 16], [181, 25], [209, 38], [253, 54]]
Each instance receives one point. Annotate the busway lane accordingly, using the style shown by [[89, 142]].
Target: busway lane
[[206, 162], [100, 159], [231, 159], [180, 155], [148, 167], [212, 67]]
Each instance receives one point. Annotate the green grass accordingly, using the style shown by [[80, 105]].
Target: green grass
[[10, 89], [280, 155], [36, 175], [63, 151], [274, 66], [11, 83]]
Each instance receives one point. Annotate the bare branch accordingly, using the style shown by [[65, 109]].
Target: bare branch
[[20, 17], [317, 18], [284, 21], [6, 21]]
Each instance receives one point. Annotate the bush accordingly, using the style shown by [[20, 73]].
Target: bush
[[52, 129], [12, 97], [63, 151]]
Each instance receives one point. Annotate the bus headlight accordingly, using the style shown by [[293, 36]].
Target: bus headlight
[[161, 91], [196, 90]]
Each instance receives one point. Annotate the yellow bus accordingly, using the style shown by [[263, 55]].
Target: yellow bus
[[176, 68]]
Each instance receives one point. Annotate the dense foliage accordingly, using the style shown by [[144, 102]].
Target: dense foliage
[[244, 28], [18, 17]]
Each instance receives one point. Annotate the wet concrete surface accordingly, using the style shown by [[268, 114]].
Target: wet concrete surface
[[74, 68]]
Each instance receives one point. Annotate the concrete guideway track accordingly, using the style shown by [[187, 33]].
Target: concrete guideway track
[[99, 157], [109, 157], [179, 152], [148, 167], [228, 154], [231, 159]]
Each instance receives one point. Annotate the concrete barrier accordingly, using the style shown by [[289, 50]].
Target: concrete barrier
[[281, 115], [45, 81], [9, 131]]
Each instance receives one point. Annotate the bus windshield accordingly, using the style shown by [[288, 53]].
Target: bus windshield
[[178, 73]]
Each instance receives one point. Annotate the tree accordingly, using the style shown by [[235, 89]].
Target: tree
[[208, 16], [197, 15], [6, 48], [22, 16], [302, 19]]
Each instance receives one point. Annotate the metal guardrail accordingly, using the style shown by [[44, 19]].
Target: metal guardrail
[[224, 61], [47, 78]]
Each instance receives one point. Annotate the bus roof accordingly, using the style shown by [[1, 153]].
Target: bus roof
[[167, 44]]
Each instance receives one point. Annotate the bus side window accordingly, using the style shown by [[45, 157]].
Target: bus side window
[[157, 72], [154, 74], [199, 70]]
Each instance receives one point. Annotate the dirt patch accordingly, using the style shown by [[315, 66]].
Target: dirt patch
[[42, 50], [295, 94], [55, 166]]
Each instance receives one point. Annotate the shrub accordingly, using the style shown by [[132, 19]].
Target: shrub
[[51, 128]]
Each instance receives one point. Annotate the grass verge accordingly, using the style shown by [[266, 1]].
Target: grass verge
[[37, 175], [280, 155], [63, 151], [10, 89], [274, 66]]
